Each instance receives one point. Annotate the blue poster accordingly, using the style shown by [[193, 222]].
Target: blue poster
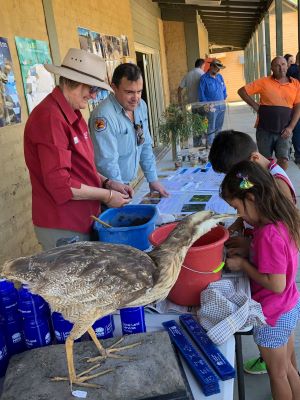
[[10, 109], [37, 81]]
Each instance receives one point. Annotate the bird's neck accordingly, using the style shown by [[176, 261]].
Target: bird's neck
[[169, 257]]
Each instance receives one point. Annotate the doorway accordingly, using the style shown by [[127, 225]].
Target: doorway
[[149, 64]]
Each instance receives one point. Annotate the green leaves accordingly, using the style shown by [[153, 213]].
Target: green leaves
[[178, 123]]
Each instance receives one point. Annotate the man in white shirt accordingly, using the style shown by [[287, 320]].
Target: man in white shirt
[[191, 82]]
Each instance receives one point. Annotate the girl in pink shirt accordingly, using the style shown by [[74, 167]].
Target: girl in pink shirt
[[271, 262]]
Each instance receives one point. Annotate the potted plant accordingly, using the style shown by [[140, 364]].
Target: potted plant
[[177, 124]]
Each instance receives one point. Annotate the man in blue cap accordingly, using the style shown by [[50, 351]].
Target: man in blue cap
[[212, 88]]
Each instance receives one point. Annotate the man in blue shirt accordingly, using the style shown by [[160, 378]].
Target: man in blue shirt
[[212, 89], [120, 132]]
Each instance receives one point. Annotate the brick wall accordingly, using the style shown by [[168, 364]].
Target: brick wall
[[233, 74], [203, 39], [16, 231], [112, 17], [289, 27], [176, 55]]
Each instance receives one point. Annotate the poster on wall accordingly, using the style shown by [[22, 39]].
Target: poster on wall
[[125, 46], [10, 109], [92, 42], [37, 81], [112, 46]]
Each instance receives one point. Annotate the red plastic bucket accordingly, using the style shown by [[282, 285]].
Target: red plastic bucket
[[197, 271]]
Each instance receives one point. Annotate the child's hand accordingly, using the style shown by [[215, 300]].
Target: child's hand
[[234, 263], [238, 245], [237, 226]]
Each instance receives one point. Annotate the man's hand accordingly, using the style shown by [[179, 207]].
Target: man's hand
[[158, 187], [120, 187], [287, 133]]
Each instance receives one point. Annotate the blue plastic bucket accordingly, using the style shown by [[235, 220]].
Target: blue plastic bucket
[[131, 225]]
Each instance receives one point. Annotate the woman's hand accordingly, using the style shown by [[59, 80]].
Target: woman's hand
[[121, 187], [117, 199]]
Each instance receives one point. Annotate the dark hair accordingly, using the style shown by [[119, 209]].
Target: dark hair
[[68, 82], [230, 147], [269, 201], [287, 56], [199, 62], [127, 70]]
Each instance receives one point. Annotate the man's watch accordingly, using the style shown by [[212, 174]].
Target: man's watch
[[105, 183]]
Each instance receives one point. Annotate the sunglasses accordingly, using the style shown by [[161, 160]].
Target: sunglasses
[[94, 89], [140, 139]]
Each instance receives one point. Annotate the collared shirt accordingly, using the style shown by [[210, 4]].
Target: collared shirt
[[59, 155], [212, 89], [117, 154], [277, 101], [191, 82]]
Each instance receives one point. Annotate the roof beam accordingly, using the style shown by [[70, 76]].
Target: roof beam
[[228, 9]]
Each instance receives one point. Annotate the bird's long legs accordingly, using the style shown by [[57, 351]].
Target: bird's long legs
[[108, 352], [81, 378]]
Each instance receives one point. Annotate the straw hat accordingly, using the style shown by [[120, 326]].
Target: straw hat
[[83, 67]]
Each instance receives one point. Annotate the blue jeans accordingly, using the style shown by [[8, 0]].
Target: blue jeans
[[215, 122], [296, 141]]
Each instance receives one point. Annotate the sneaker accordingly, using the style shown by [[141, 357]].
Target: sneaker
[[255, 366]]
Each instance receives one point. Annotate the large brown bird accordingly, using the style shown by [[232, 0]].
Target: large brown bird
[[88, 280]]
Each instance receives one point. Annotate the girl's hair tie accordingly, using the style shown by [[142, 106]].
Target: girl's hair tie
[[245, 183]]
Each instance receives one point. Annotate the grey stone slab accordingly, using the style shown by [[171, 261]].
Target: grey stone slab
[[154, 374]]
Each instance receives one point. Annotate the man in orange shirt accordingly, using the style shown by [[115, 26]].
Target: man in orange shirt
[[278, 110]]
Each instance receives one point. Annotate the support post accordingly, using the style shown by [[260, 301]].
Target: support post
[[279, 36], [268, 43]]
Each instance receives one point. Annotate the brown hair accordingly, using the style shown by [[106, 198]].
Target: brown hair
[[269, 201]]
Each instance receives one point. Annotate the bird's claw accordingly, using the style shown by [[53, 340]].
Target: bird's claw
[[110, 350], [80, 379]]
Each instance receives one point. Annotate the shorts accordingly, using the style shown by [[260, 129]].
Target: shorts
[[277, 336], [269, 142]]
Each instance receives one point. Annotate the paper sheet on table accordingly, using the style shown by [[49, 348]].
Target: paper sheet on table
[[167, 307], [218, 205]]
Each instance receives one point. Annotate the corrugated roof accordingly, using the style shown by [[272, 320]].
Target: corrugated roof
[[229, 24]]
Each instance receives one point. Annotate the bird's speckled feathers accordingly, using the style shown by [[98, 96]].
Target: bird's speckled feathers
[[86, 272], [87, 280]]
